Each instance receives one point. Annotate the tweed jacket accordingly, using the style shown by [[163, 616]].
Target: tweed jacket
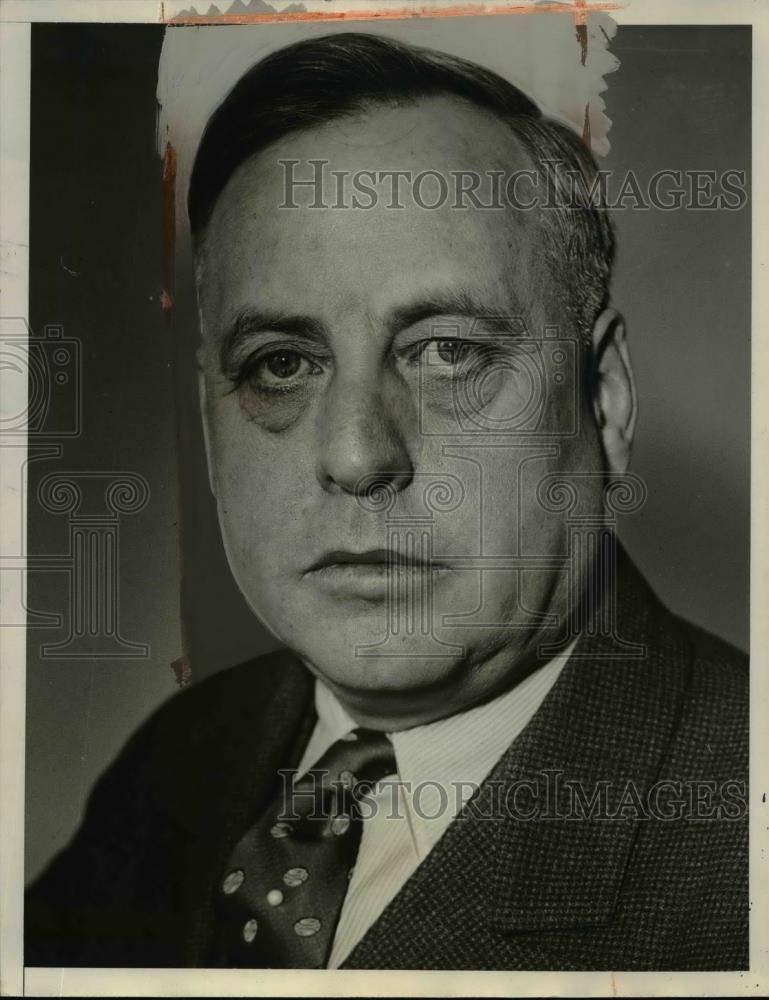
[[612, 833]]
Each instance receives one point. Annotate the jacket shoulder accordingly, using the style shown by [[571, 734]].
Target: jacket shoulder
[[711, 739], [234, 686], [236, 696], [212, 721], [107, 898], [719, 672], [709, 648], [699, 678]]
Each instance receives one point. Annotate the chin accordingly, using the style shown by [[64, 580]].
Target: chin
[[372, 668]]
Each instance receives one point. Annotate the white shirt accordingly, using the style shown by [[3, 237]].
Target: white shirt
[[444, 762]]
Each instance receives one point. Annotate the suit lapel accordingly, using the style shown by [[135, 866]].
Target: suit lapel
[[600, 738], [519, 858], [270, 728]]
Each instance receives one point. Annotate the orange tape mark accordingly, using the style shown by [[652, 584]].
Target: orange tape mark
[[169, 225], [579, 10]]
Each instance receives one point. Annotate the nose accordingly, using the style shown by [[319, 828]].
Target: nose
[[363, 436]]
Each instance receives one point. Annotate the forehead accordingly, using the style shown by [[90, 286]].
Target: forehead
[[323, 260]]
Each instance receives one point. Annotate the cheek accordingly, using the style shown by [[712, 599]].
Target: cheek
[[522, 489], [261, 479], [276, 410], [274, 415]]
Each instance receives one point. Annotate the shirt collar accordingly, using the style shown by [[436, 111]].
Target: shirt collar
[[442, 762]]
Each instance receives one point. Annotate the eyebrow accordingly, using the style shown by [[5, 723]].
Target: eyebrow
[[249, 321], [457, 302]]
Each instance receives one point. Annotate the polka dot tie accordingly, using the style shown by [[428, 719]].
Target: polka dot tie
[[282, 891]]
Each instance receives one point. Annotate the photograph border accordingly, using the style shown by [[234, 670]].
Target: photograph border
[[16, 17]]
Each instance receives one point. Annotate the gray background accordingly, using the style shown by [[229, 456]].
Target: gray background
[[680, 99]]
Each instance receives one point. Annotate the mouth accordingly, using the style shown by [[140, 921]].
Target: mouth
[[374, 573], [372, 557]]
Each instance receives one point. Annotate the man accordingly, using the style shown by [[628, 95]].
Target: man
[[486, 744]]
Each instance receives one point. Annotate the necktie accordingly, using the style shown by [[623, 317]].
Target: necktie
[[282, 892]]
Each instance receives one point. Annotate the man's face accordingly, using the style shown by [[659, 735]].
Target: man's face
[[383, 398]]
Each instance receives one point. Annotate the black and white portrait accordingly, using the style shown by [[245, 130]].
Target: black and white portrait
[[386, 457]]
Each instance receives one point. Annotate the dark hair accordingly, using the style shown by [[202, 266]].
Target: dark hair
[[313, 82]]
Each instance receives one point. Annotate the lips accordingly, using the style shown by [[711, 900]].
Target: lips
[[374, 574], [371, 557]]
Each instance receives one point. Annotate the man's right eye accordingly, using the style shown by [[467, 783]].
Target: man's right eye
[[281, 369], [283, 364]]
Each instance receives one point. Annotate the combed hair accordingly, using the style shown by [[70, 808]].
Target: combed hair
[[316, 81]]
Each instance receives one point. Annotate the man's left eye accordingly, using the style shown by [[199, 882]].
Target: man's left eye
[[451, 351]]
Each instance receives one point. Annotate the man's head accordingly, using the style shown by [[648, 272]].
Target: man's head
[[389, 392]]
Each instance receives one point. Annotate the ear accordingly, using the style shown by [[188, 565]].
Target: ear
[[615, 404], [205, 419]]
